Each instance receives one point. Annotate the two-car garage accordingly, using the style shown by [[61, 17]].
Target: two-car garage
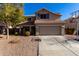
[[49, 30]]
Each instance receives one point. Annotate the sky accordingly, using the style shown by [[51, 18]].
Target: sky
[[65, 9]]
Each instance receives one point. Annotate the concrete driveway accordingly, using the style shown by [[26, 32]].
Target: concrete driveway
[[58, 46]]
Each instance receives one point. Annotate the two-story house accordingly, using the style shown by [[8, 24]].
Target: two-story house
[[48, 23], [44, 22]]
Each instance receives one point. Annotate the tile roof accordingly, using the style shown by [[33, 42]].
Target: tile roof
[[48, 21], [26, 23]]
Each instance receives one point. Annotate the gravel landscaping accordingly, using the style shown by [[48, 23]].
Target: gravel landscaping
[[18, 46]]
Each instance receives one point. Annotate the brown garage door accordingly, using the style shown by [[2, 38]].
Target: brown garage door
[[49, 30]]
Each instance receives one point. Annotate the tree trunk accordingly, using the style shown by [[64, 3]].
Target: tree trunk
[[7, 33]]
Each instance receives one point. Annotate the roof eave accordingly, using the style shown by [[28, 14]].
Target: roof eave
[[48, 11]]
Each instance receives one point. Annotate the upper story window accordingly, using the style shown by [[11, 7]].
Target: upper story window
[[44, 16]]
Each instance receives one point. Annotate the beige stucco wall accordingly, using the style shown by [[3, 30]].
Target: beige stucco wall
[[54, 17]]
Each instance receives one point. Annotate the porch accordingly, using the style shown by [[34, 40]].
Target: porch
[[23, 29]]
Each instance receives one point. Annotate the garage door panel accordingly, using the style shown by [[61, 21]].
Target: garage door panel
[[49, 30]]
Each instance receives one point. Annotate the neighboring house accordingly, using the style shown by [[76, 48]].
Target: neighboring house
[[43, 22], [71, 23]]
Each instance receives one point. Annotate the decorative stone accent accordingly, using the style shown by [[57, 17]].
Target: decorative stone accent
[[37, 30], [37, 33], [63, 30]]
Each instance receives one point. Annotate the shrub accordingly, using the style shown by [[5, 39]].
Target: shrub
[[27, 33], [69, 31], [16, 33]]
